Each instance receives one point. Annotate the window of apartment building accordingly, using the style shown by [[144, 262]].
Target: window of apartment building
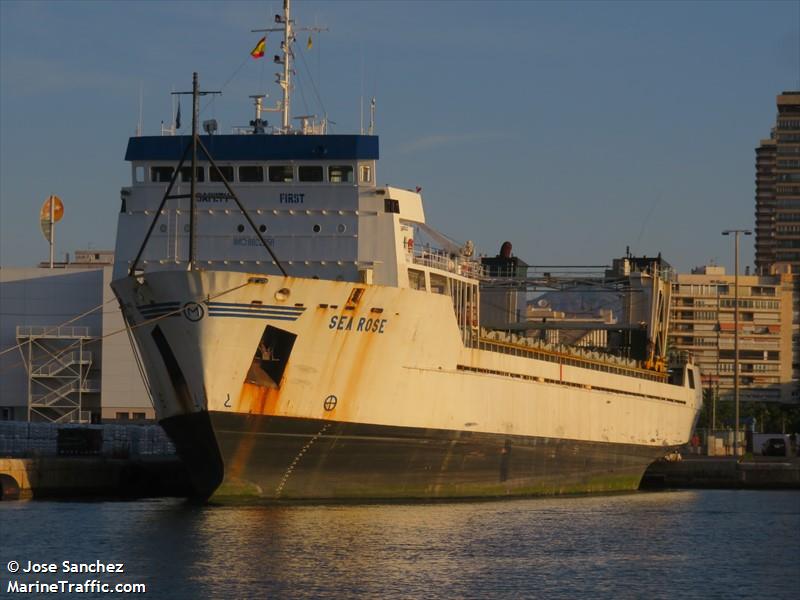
[[705, 315], [123, 416], [762, 290]]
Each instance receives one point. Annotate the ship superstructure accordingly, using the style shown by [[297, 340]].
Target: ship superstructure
[[306, 334]]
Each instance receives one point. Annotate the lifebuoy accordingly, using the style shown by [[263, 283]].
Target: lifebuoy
[[410, 244]]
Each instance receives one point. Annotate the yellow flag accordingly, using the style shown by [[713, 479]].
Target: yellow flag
[[310, 44]]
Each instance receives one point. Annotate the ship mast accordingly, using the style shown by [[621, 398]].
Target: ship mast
[[287, 57], [285, 80]]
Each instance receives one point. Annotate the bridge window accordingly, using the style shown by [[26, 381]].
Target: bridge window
[[251, 174], [366, 173], [161, 174], [310, 173], [281, 173], [227, 173], [139, 174], [340, 174], [186, 174]]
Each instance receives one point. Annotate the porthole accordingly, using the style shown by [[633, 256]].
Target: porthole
[[186, 228], [317, 228], [262, 228], [341, 228], [163, 229], [240, 228]]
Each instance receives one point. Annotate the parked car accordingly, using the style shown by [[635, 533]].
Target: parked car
[[774, 447]]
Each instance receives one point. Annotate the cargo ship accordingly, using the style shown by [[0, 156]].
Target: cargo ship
[[305, 334]]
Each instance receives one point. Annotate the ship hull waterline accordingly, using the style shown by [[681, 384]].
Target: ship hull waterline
[[270, 458]]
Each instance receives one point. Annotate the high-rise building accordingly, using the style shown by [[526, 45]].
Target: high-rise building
[[765, 205], [778, 191]]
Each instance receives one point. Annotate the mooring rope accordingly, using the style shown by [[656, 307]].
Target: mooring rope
[[127, 327]]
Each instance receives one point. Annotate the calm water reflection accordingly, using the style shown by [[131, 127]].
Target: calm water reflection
[[689, 544]]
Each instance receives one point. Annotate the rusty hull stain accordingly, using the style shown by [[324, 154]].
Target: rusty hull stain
[[257, 399]]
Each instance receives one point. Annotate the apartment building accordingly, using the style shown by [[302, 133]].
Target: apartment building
[[703, 324]]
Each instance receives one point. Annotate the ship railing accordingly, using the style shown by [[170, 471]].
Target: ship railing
[[52, 332], [495, 341], [440, 259]]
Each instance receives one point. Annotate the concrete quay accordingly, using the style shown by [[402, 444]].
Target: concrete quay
[[92, 477], [724, 473]]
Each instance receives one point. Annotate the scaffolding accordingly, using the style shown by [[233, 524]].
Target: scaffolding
[[58, 369]]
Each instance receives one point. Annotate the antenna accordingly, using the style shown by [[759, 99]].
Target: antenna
[[284, 81], [139, 123], [372, 116], [361, 98]]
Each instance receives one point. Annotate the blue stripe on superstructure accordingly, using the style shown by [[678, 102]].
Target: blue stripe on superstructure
[[258, 147]]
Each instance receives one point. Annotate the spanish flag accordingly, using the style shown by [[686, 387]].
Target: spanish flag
[[258, 51]]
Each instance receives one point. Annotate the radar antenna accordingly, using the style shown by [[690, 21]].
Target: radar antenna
[[258, 124]]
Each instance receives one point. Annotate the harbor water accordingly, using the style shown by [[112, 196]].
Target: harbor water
[[675, 544]]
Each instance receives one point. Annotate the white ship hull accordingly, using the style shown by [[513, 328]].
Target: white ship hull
[[380, 397]]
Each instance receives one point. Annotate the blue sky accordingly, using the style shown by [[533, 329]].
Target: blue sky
[[573, 129]]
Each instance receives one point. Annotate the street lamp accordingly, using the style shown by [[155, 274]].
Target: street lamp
[[718, 283], [736, 233]]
